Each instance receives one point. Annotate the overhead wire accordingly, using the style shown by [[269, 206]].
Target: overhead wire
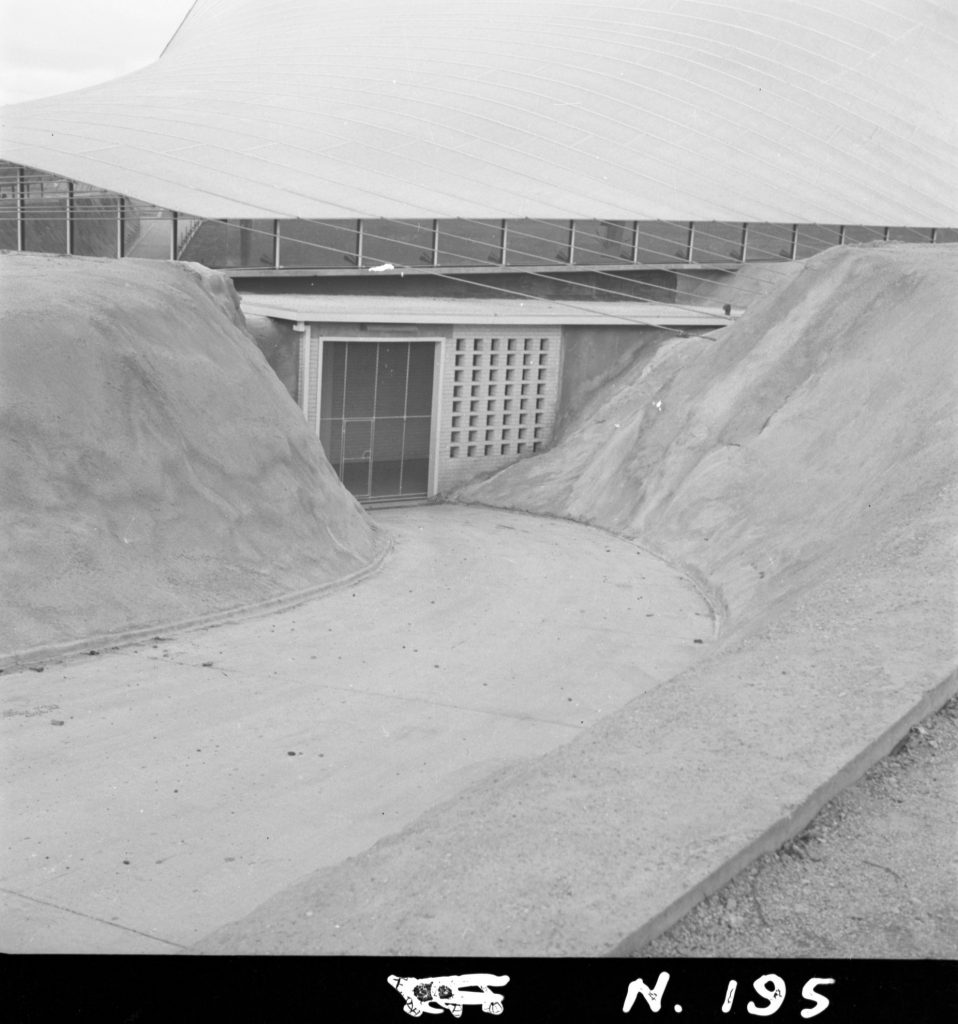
[[453, 275], [450, 273], [545, 29], [522, 269], [456, 274], [526, 234], [516, 251], [289, 145], [669, 257]]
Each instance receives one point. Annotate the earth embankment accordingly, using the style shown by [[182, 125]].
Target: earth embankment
[[154, 468], [817, 431]]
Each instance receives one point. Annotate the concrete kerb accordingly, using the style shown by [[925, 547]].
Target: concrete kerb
[[24, 659], [787, 828]]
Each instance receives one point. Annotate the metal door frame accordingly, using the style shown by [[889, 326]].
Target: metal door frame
[[312, 402]]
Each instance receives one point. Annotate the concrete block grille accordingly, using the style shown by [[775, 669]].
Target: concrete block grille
[[501, 399], [314, 351], [309, 364]]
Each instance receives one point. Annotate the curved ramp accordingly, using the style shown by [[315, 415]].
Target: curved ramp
[[803, 463], [156, 793]]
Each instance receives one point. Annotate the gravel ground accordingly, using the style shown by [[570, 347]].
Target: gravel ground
[[875, 874]]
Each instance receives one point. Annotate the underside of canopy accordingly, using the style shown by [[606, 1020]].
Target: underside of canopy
[[730, 110]]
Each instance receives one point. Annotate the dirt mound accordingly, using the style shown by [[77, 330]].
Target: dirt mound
[[818, 429], [154, 469]]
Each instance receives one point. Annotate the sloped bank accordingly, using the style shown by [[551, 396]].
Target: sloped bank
[[819, 427], [801, 463], [154, 469]]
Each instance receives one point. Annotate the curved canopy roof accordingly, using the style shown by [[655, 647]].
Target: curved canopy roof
[[757, 110]]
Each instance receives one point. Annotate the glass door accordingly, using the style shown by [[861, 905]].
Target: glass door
[[392, 377], [376, 416], [357, 457]]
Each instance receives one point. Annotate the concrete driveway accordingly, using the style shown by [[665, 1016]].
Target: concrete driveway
[[157, 792]]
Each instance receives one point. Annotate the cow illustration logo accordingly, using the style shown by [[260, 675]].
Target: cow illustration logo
[[433, 995]]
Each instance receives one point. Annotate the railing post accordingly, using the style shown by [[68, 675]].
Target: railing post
[[21, 233], [70, 188], [120, 227]]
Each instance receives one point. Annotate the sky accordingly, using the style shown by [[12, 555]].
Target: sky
[[54, 46]]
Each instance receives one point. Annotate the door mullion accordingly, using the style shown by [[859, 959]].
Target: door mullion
[[405, 413], [372, 422], [342, 437], [341, 469]]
